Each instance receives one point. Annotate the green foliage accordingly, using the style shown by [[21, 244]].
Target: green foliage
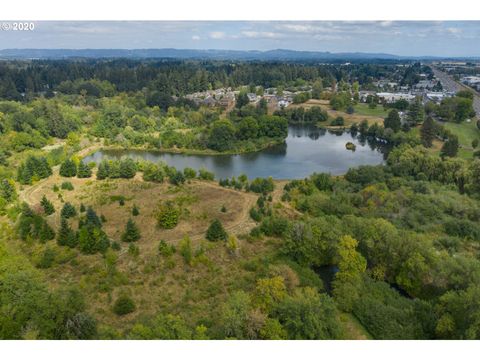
[[262, 185], [216, 232], [34, 168], [123, 305], [135, 210], [428, 131], [67, 185], [222, 135], [84, 171], [68, 211], [165, 249], [132, 233], [168, 215], [206, 175], [66, 236], [450, 147], [308, 315], [392, 121], [185, 249], [68, 168], [47, 206]]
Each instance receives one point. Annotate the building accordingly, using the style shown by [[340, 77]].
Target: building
[[392, 97]]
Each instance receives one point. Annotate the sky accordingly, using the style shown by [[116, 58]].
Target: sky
[[408, 38]]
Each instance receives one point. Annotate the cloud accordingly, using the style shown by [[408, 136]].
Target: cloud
[[454, 31], [218, 35], [260, 34], [195, 37]]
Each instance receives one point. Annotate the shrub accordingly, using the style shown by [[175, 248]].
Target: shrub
[[123, 305], [189, 173], [186, 250], [165, 249], [168, 215], [206, 175], [67, 185], [135, 211]]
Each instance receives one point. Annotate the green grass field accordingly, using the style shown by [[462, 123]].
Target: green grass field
[[466, 132], [363, 109]]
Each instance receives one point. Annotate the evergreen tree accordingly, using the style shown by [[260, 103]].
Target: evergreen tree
[[66, 236], [428, 131], [46, 233], [450, 147], [416, 112], [84, 170], [91, 218], [135, 211], [392, 121], [47, 206], [68, 211], [7, 190], [216, 232], [103, 171], [68, 168], [128, 168], [82, 208], [131, 233]]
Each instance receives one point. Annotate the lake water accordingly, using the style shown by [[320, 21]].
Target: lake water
[[306, 150]]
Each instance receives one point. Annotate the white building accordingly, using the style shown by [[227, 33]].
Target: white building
[[392, 97]]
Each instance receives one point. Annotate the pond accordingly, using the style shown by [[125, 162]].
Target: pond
[[307, 149]]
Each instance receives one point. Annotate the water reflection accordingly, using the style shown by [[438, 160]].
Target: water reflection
[[307, 149]]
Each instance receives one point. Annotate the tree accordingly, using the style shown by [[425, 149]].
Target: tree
[[307, 315], [247, 128], [242, 100], [47, 206], [392, 121], [84, 170], [46, 233], [128, 168], [216, 232], [103, 171], [123, 305], [269, 292], [222, 135], [450, 147], [131, 233], [68, 211], [416, 112], [68, 168], [348, 279], [66, 236], [428, 132]]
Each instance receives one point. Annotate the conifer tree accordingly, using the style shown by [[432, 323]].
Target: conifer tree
[[131, 233], [427, 132], [216, 232], [68, 211], [66, 236], [68, 168], [103, 171], [47, 206], [84, 170]]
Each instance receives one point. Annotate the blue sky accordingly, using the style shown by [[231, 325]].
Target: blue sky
[[436, 38]]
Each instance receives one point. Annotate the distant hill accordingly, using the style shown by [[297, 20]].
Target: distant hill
[[277, 54]]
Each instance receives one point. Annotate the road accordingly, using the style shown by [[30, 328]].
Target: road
[[451, 85]]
